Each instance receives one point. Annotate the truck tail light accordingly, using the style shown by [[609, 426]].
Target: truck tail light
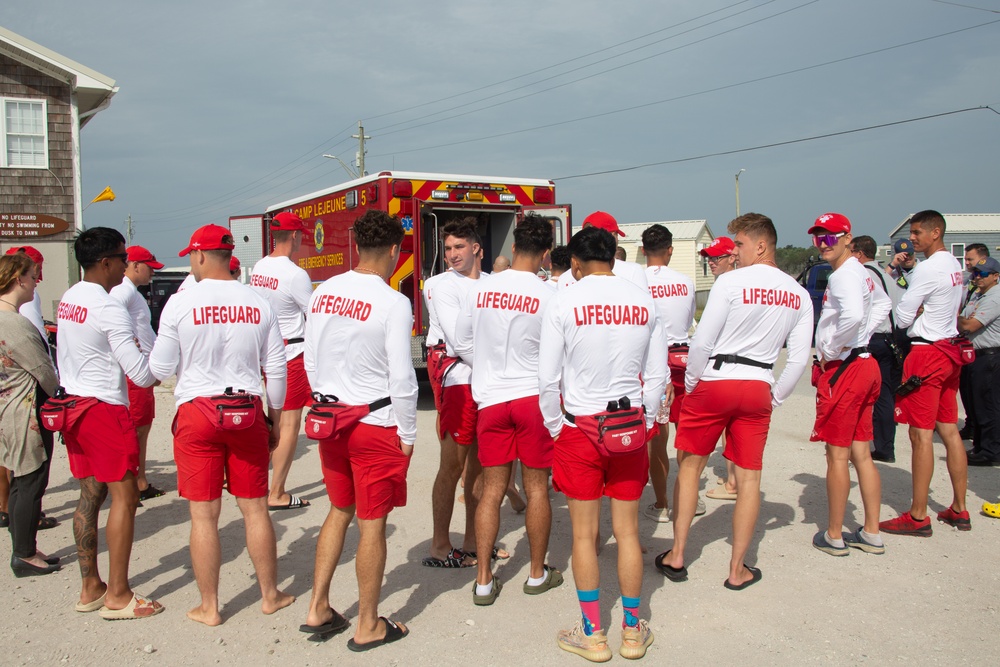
[[402, 189], [544, 196]]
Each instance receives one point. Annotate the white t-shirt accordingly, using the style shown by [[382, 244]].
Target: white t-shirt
[[630, 271], [674, 296], [449, 295], [935, 284], [498, 333], [33, 311], [287, 288], [95, 344], [138, 310], [358, 348], [853, 308], [434, 333], [218, 334], [596, 342], [751, 312]]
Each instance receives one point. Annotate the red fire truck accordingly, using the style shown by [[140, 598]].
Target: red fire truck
[[424, 202]]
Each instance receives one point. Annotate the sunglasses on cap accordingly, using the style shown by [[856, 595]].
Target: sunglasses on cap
[[829, 239]]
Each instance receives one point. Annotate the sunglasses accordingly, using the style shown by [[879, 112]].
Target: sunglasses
[[981, 274], [829, 240], [716, 260]]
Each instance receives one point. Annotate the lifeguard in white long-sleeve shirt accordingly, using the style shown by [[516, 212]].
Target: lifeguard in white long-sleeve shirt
[[630, 271], [365, 463], [216, 336], [498, 333], [97, 350], [847, 386], [930, 310], [598, 338], [750, 314]]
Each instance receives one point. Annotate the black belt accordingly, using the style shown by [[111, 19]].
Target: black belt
[[293, 341], [855, 353], [987, 351], [737, 359], [883, 336]]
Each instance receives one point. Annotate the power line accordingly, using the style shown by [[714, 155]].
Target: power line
[[958, 4], [706, 91], [773, 145], [584, 78]]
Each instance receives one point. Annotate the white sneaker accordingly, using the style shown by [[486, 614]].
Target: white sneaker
[[699, 509], [657, 514]]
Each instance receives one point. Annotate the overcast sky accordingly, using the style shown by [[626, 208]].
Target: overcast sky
[[226, 107]]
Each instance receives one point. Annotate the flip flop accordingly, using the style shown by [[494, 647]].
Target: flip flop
[[756, 576], [454, 559], [294, 503], [91, 606], [393, 633], [671, 573], [136, 608], [151, 492], [720, 493], [337, 623]]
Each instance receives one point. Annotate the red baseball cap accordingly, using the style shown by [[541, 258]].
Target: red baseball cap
[[32, 253], [287, 221], [723, 245], [834, 223], [603, 221], [137, 253], [234, 264], [209, 237]]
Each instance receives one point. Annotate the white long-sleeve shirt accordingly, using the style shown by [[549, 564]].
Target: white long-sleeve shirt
[[630, 271], [434, 333], [449, 295], [498, 333], [596, 341], [128, 295], [33, 311], [358, 348], [218, 334], [935, 284], [288, 288], [674, 296], [95, 344], [751, 312], [853, 307]]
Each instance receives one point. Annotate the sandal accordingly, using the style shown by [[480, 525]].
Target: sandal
[[294, 503], [393, 633], [136, 608], [151, 492], [456, 558], [46, 522], [498, 554]]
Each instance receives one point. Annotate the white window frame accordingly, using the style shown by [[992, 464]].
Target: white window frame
[[960, 256], [3, 131]]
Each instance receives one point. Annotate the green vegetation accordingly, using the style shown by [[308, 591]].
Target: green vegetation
[[792, 260]]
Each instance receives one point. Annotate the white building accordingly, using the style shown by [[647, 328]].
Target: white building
[[690, 236]]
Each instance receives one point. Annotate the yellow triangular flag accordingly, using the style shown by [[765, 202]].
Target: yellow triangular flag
[[106, 195]]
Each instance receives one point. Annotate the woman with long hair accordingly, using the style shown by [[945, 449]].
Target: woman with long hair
[[27, 377]]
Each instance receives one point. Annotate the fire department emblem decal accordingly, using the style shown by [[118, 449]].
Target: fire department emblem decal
[[627, 440], [315, 427], [319, 236], [237, 420], [50, 420]]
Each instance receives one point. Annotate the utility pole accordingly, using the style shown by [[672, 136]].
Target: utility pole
[[361, 136], [128, 231], [738, 191]]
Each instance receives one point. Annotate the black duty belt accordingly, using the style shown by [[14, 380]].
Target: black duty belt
[[855, 353], [293, 341], [737, 359]]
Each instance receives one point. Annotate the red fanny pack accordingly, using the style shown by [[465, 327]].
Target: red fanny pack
[[231, 411], [62, 409], [439, 363], [958, 349], [677, 358], [615, 432], [328, 416]]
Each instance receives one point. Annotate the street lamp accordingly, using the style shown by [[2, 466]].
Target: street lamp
[[346, 168], [738, 191]]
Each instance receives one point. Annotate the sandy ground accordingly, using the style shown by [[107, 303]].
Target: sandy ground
[[926, 601]]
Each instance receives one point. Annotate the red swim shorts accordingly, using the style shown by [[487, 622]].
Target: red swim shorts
[[580, 472], [365, 466], [208, 456], [677, 380], [298, 393], [458, 414], [102, 444], [844, 412], [514, 430], [740, 407], [936, 400], [141, 404]]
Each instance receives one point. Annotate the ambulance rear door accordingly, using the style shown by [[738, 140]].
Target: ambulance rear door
[[561, 217]]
